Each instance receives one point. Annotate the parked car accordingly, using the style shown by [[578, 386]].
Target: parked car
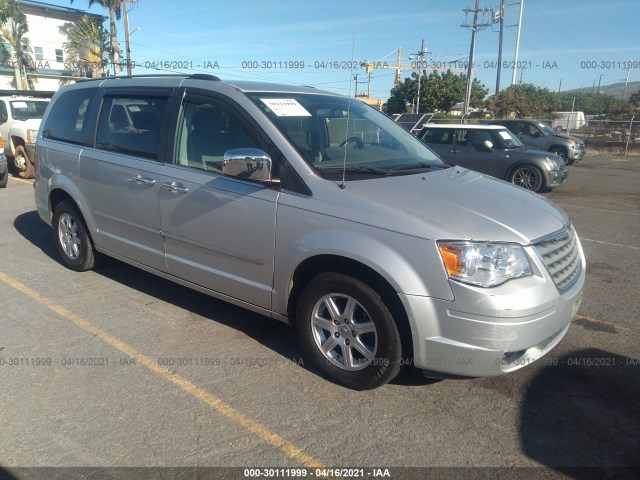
[[20, 118], [494, 150], [537, 134], [4, 173], [313, 209]]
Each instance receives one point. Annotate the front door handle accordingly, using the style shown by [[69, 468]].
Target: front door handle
[[175, 187], [143, 180], [453, 150]]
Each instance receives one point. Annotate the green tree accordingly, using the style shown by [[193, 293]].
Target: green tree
[[18, 55], [86, 47], [525, 100], [634, 99], [438, 92], [115, 12]]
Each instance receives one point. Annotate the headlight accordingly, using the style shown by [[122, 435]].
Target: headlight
[[31, 136], [572, 143], [484, 264]]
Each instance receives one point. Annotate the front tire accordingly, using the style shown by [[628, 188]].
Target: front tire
[[528, 177], [348, 331], [22, 163], [561, 152], [71, 237]]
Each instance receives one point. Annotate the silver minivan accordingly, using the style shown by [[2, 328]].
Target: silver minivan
[[313, 209]]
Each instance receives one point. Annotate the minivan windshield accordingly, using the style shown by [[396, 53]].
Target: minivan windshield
[[332, 131]]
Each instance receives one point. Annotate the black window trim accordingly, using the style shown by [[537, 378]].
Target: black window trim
[[290, 182]]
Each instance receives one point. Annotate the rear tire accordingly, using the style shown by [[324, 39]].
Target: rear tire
[[348, 332], [22, 163], [72, 238]]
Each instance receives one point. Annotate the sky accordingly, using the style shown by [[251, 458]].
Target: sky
[[564, 44]]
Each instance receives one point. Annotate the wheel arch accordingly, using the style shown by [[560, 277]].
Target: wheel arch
[[59, 193], [324, 263]]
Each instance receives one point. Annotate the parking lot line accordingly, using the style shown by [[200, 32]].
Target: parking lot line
[[21, 180], [214, 402], [597, 209], [602, 322], [608, 243]]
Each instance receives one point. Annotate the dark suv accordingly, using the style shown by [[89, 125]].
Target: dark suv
[[537, 134], [495, 151]]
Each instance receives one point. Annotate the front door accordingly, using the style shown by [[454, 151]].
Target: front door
[[219, 230]]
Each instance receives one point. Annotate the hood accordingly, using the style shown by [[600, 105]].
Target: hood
[[567, 137], [466, 205], [536, 153], [30, 124]]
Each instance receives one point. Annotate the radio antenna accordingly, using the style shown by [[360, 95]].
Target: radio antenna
[[343, 185]]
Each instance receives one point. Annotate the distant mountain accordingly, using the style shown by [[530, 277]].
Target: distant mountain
[[614, 90]]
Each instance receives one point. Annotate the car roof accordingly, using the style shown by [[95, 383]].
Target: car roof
[[461, 125], [198, 80]]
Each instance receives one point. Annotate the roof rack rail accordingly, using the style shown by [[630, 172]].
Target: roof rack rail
[[196, 76], [204, 76]]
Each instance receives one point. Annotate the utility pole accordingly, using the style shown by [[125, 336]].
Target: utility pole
[[125, 14], [599, 80], [500, 46], [420, 57], [626, 82], [515, 59], [472, 51]]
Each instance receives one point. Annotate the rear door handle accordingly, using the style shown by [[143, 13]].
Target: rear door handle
[[453, 150], [175, 187], [143, 180]]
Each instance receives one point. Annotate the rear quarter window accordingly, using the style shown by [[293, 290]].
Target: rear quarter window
[[66, 119]]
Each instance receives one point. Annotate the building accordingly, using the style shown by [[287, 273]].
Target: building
[[47, 40]]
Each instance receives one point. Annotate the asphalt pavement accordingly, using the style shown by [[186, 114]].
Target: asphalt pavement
[[119, 368]]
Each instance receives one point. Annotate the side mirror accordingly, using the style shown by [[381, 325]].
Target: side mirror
[[537, 134], [247, 163], [488, 145]]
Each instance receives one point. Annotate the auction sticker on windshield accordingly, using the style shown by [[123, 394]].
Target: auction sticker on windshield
[[285, 107], [505, 135]]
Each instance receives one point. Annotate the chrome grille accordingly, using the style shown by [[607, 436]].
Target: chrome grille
[[561, 256]]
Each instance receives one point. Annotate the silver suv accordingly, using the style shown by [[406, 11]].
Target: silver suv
[[313, 209], [537, 134]]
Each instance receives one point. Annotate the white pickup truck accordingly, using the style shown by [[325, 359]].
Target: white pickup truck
[[20, 117]]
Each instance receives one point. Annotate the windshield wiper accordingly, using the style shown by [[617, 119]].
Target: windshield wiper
[[377, 171], [418, 166]]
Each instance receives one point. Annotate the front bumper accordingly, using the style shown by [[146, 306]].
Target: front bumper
[[577, 153], [557, 178], [492, 331]]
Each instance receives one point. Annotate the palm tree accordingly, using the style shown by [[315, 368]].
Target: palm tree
[[13, 31], [85, 48], [115, 12]]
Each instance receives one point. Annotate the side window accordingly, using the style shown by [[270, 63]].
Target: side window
[[67, 116], [206, 131], [131, 125], [438, 136], [461, 137], [479, 137]]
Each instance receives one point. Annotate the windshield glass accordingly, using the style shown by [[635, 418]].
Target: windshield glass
[[507, 139], [330, 131], [545, 128], [26, 109]]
